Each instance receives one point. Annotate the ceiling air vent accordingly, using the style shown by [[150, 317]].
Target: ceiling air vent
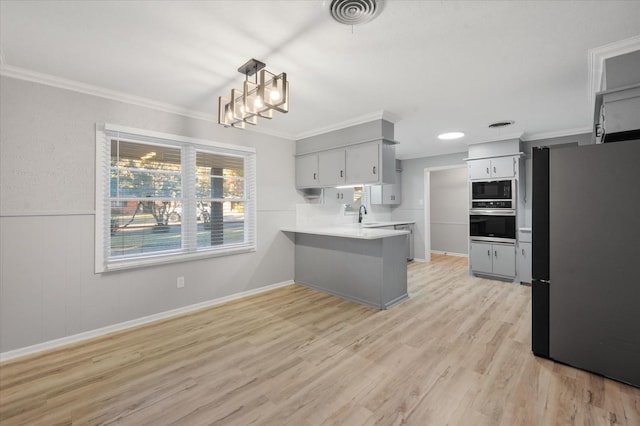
[[353, 12], [499, 124]]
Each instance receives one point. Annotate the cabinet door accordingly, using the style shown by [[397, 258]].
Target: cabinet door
[[331, 169], [524, 262], [391, 192], [363, 163], [504, 260], [479, 169], [481, 257], [503, 167], [338, 195], [307, 171]]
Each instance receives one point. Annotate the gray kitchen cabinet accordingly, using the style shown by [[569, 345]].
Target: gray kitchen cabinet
[[493, 168], [338, 195], [307, 171], [389, 194], [370, 162], [331, 167], [363, 163], [493, 259], [524, 262]]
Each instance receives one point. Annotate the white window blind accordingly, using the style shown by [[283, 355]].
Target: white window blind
[[165, 198]]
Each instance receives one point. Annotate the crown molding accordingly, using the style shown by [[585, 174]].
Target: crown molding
[[88, 89], [598, 55], [378, 115], [485, 139], [556, 134]]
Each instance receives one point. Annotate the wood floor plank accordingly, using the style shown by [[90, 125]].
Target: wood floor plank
[[457, 352]]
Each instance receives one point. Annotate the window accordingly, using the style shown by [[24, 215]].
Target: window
[[164, 198]]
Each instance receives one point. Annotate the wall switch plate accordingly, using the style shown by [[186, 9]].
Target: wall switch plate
[[180, 282]]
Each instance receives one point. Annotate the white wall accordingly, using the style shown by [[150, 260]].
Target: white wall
[[449, 195], [48, 289]]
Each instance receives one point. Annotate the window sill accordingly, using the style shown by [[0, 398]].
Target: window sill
[[166, 259]]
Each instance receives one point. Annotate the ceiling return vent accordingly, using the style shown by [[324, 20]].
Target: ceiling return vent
[[353, 12]]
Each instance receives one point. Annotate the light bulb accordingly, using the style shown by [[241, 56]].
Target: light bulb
[[275, 95], [450, 135], [258, 103]]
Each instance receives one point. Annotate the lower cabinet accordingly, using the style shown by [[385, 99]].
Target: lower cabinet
[[493, 259], [524, 262]]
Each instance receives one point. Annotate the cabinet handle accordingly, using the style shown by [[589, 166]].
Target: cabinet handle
[[338, 195], [374, 170], [494, 169], [496, 253], [314, 176], [523, 252], [341, 173], [487, 170], [489, 253], [342, 195]]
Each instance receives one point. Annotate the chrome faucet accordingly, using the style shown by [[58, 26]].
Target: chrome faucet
[[362, 206]]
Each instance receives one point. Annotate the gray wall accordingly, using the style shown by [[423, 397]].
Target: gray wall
[[48, 289], [449, 195]]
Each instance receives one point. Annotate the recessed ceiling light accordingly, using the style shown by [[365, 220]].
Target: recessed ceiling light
[[450, 135]]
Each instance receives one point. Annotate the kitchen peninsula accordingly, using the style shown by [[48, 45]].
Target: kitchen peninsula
[[365, 265]]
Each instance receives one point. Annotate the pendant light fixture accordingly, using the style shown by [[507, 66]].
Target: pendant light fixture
[[267, 92]]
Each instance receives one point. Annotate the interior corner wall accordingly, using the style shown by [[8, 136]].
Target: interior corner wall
[[48, 288]]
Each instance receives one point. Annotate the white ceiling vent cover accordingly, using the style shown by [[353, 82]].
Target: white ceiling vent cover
[[353, 12]]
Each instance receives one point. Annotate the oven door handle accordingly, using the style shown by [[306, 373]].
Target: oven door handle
[[493, 212]]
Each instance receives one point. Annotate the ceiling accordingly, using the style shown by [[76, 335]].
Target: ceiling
[[431, 66]]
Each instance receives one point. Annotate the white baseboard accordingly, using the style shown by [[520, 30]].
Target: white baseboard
[[448, 253], [419, 260], [51, 344]]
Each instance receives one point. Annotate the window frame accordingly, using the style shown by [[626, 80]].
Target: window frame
[[189, 146]]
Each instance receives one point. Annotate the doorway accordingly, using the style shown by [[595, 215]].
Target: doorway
[[446, 211]]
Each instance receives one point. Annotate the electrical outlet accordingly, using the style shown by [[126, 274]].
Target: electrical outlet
[[180, 282]]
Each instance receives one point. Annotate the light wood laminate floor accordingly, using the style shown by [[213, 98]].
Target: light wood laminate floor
[[457, 352]]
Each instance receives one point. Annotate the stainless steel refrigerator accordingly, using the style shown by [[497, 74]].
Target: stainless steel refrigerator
[[586, 258]]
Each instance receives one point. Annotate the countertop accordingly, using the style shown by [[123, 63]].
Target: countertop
[[375, 224], [353, 231]]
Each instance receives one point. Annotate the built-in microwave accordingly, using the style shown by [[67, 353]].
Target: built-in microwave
[[496, 226], [494, 194]]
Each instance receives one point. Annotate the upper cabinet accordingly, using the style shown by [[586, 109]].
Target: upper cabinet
[[307, 171], [331, 167], [388, 193], [364, 163], [493, 168]]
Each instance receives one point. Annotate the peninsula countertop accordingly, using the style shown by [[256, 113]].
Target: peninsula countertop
[[346, 231], [381, 224]]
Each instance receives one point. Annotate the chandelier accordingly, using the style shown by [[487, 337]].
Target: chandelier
[[257, 99]]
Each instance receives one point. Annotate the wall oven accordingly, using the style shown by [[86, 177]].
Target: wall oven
[[493, 226], [495, 194]]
